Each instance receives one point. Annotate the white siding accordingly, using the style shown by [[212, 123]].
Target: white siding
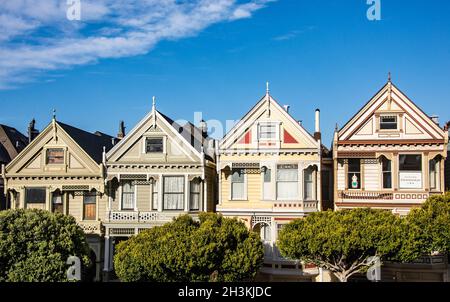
[[371, 175], [340, 176]]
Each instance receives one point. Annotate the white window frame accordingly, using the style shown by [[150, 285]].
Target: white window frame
[[245, 197], [121, 195], [144, 144], [387, 116], [277, 131], [299, 177]]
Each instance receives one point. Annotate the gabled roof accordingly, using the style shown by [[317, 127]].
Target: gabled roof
[[267, 99], [385, 93], [189, 133], [12, 142], [91, 143]]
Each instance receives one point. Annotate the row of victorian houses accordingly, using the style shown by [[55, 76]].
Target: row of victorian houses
[[267, 170]]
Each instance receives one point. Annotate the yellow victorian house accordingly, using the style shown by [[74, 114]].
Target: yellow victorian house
[[269, 170], [61, 170]]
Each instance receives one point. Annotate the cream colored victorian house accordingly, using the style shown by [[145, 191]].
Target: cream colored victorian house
[[158, 171], [269, 171], [390, 155], [61, 171]]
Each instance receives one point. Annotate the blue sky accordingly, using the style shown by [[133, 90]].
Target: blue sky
[[315, 54]]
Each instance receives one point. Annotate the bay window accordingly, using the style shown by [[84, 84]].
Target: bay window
[[173, 197], [287, 182], [410, 171]]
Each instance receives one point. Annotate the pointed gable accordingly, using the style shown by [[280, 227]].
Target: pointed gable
[[390, 115], [181, 143], [80, 152], [268, 126]]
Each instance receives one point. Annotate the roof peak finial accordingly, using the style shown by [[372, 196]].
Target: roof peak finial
[[389, 77], [267, 87], [54, 114], [153, 103]]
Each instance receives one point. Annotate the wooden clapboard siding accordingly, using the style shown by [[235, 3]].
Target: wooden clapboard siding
[[371, 176], [102, 206], [340, 176], [76, 206], [254, 187], [143, 197]]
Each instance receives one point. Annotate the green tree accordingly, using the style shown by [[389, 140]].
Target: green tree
[[342, 241], [35, 245], [211, 249], [427, 229]]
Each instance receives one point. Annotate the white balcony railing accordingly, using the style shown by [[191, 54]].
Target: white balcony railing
[[138, 216]]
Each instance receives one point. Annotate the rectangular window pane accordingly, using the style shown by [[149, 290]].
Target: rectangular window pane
[[155, 196], [154, 145], [237, 184], [433, 174], [354, 173], [267, 131], [89, 206], [55, 156], [267, 175], [57, 202], [194, 203], [173, 193], [410, 162], [308, 194], [387, 173], [388, 122], [127, 195], [287, 182], [35, 195]]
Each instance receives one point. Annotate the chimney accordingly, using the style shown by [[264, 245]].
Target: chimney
[[121, 133], [317, 134], [204, 128], [435, 119], [32, 132], [286, 108]]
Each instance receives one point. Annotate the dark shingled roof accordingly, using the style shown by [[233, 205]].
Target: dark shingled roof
[[91, 143], [12, 142], [192, 134]]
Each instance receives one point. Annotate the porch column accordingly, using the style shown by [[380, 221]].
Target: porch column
[[22, 199], [107, 250], [48, 202], [319, 187], [426, 172], [205, 195]]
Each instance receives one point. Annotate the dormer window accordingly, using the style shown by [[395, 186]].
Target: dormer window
[[55, 156], [388, 122], [267, 131], [154, 145]]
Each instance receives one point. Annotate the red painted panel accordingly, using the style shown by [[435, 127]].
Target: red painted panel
[[289, 139], [247, 139]]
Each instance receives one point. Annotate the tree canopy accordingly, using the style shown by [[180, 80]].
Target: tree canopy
[[342, 241], [427, 229], [211, 249], [35, 245]]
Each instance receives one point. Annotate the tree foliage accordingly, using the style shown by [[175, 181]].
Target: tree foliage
[[35, 245], [427, 229], [342, 241], [213, 249]]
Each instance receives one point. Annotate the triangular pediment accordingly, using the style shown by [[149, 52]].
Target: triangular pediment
[[390, 115], [285, 132], [176, 148], [73, 160]]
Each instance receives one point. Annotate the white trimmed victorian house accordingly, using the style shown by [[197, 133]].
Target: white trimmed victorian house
[[158, 171], [61, 171], [390, 155], [269, 171]]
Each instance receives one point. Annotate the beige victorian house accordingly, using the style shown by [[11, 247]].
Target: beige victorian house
[[61, 170], [270, 173], [158, 171], [390, 155]]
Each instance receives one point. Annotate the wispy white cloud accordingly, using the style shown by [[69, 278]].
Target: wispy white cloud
[[294, 33], [36, 37]]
